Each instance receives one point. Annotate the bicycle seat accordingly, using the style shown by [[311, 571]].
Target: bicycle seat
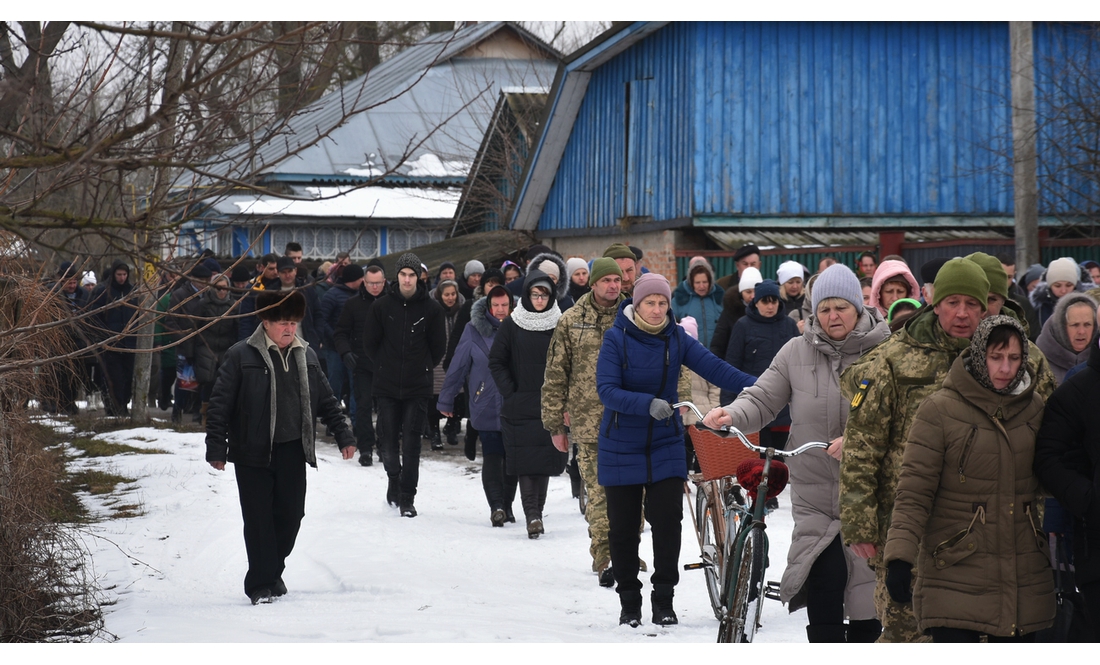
[[749, 475]]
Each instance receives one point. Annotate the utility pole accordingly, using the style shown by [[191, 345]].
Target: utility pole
[[1024, 181]]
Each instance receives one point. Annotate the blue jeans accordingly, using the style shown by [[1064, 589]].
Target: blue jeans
[[338, 377]]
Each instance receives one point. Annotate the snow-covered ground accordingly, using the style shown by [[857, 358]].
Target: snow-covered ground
[[361, 573]]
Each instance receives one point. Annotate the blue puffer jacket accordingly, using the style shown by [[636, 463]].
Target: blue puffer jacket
[[705, 310], [634, 367], [470, 368]]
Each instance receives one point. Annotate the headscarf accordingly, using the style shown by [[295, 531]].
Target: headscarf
[[975, 364]]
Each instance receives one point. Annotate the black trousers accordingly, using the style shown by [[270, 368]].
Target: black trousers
[[825, 586], [1091, 593], [664, 510], [273, 502], [118, 386], [404, 419], [363, 426], [500, 488]]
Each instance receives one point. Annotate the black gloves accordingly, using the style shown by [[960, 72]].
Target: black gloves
[[471, 449], [350, 360], [899, 581], [660, 409]]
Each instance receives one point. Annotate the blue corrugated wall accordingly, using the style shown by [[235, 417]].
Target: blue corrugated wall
[[776, 119]]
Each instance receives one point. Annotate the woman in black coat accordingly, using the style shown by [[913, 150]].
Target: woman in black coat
[[518, 364], [218, 334]]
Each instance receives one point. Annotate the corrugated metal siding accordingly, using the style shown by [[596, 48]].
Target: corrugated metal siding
[[1067, 59], [852, 118], [592, 188]]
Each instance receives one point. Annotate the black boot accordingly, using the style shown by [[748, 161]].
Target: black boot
[[864, 630], [826, 632], [407, 509], [661, 599], [437, 443], [631, 603], [393, 490]]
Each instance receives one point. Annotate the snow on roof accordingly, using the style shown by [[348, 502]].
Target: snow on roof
[[363, 202]]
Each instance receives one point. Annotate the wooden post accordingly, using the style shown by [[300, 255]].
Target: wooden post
[[1024, 183]]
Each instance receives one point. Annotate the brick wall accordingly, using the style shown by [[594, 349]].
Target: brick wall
[[658, 248]]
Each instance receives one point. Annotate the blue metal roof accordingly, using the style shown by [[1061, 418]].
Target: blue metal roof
[[426, 100]]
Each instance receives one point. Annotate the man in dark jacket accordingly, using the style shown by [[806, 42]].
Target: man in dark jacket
[[348, 340], [405, 339], [113, 309], [179, 323], [269, 390], [332, 304]]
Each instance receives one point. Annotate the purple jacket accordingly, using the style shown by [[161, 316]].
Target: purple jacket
[[470, 369]]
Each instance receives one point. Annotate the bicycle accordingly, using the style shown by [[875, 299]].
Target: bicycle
[[735, 567]]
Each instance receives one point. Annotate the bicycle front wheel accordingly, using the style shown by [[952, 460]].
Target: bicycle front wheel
[[745, 589], [708, 517]]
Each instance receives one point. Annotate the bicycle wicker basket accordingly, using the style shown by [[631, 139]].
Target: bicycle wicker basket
[[718, 457]]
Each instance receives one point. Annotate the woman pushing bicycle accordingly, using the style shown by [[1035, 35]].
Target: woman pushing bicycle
[[822, 574], [641, 440]]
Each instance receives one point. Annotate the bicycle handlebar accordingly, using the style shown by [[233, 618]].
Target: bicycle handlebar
[[727, 431]]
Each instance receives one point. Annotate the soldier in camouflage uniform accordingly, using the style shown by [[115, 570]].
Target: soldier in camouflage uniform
[[885, 387], [569, 398]]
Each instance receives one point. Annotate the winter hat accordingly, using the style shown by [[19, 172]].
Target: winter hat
[[212, 263], [550, 268], [961, 277], [602, 267], [690, 326], [574, 264], [491, 274], [473, 267], [636, 251], [837, 281], [749, 279], [697, 261], [788, 270], [66, 271], [88, 279], [285, 263], [649, 284], [351, 273], [901, 302], [535, 250], [1063, 270], [284, 305], [410, 261], [200, 272], [929, 270], [443, 266], [239, 274], [619, 251], [766, 288], [1033, 272], [994, 272], [743, 251]]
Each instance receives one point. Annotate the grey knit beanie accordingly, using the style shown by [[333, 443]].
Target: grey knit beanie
[[473, 267], [410, 261], [837, 281]]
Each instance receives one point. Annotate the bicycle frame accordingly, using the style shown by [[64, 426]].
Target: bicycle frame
[[739, 621]]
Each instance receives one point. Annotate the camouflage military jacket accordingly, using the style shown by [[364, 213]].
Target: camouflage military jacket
[[570, 381], [884, 388]]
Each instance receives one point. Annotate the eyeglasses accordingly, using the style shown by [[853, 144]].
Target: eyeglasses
[[540, 296]]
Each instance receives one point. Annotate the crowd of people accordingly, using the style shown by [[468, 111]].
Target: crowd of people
[[955, 411]]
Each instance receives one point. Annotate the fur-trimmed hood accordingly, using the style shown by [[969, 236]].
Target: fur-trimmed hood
[[562, 287], [480, 319]]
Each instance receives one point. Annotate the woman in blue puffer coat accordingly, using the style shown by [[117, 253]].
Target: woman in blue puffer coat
[[641, 441]]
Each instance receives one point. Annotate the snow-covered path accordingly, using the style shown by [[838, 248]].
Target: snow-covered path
[[360, 573]]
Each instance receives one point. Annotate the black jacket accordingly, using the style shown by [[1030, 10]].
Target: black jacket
[[113, 316], [1067, 461], [404, 340], [753, 344], [219, 334], [240, 420], [733, 308], [517, 361], [180, 320], [328, 315], [351, 328]]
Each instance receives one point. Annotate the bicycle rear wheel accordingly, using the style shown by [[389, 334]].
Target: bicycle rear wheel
[[745, 590]]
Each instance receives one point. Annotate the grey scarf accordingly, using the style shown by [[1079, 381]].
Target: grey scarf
[[975, 363]]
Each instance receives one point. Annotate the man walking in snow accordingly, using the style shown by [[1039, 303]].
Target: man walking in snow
[[273, 378]]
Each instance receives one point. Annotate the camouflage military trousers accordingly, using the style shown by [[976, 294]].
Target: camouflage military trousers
[[596, 511], [899, 624]]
